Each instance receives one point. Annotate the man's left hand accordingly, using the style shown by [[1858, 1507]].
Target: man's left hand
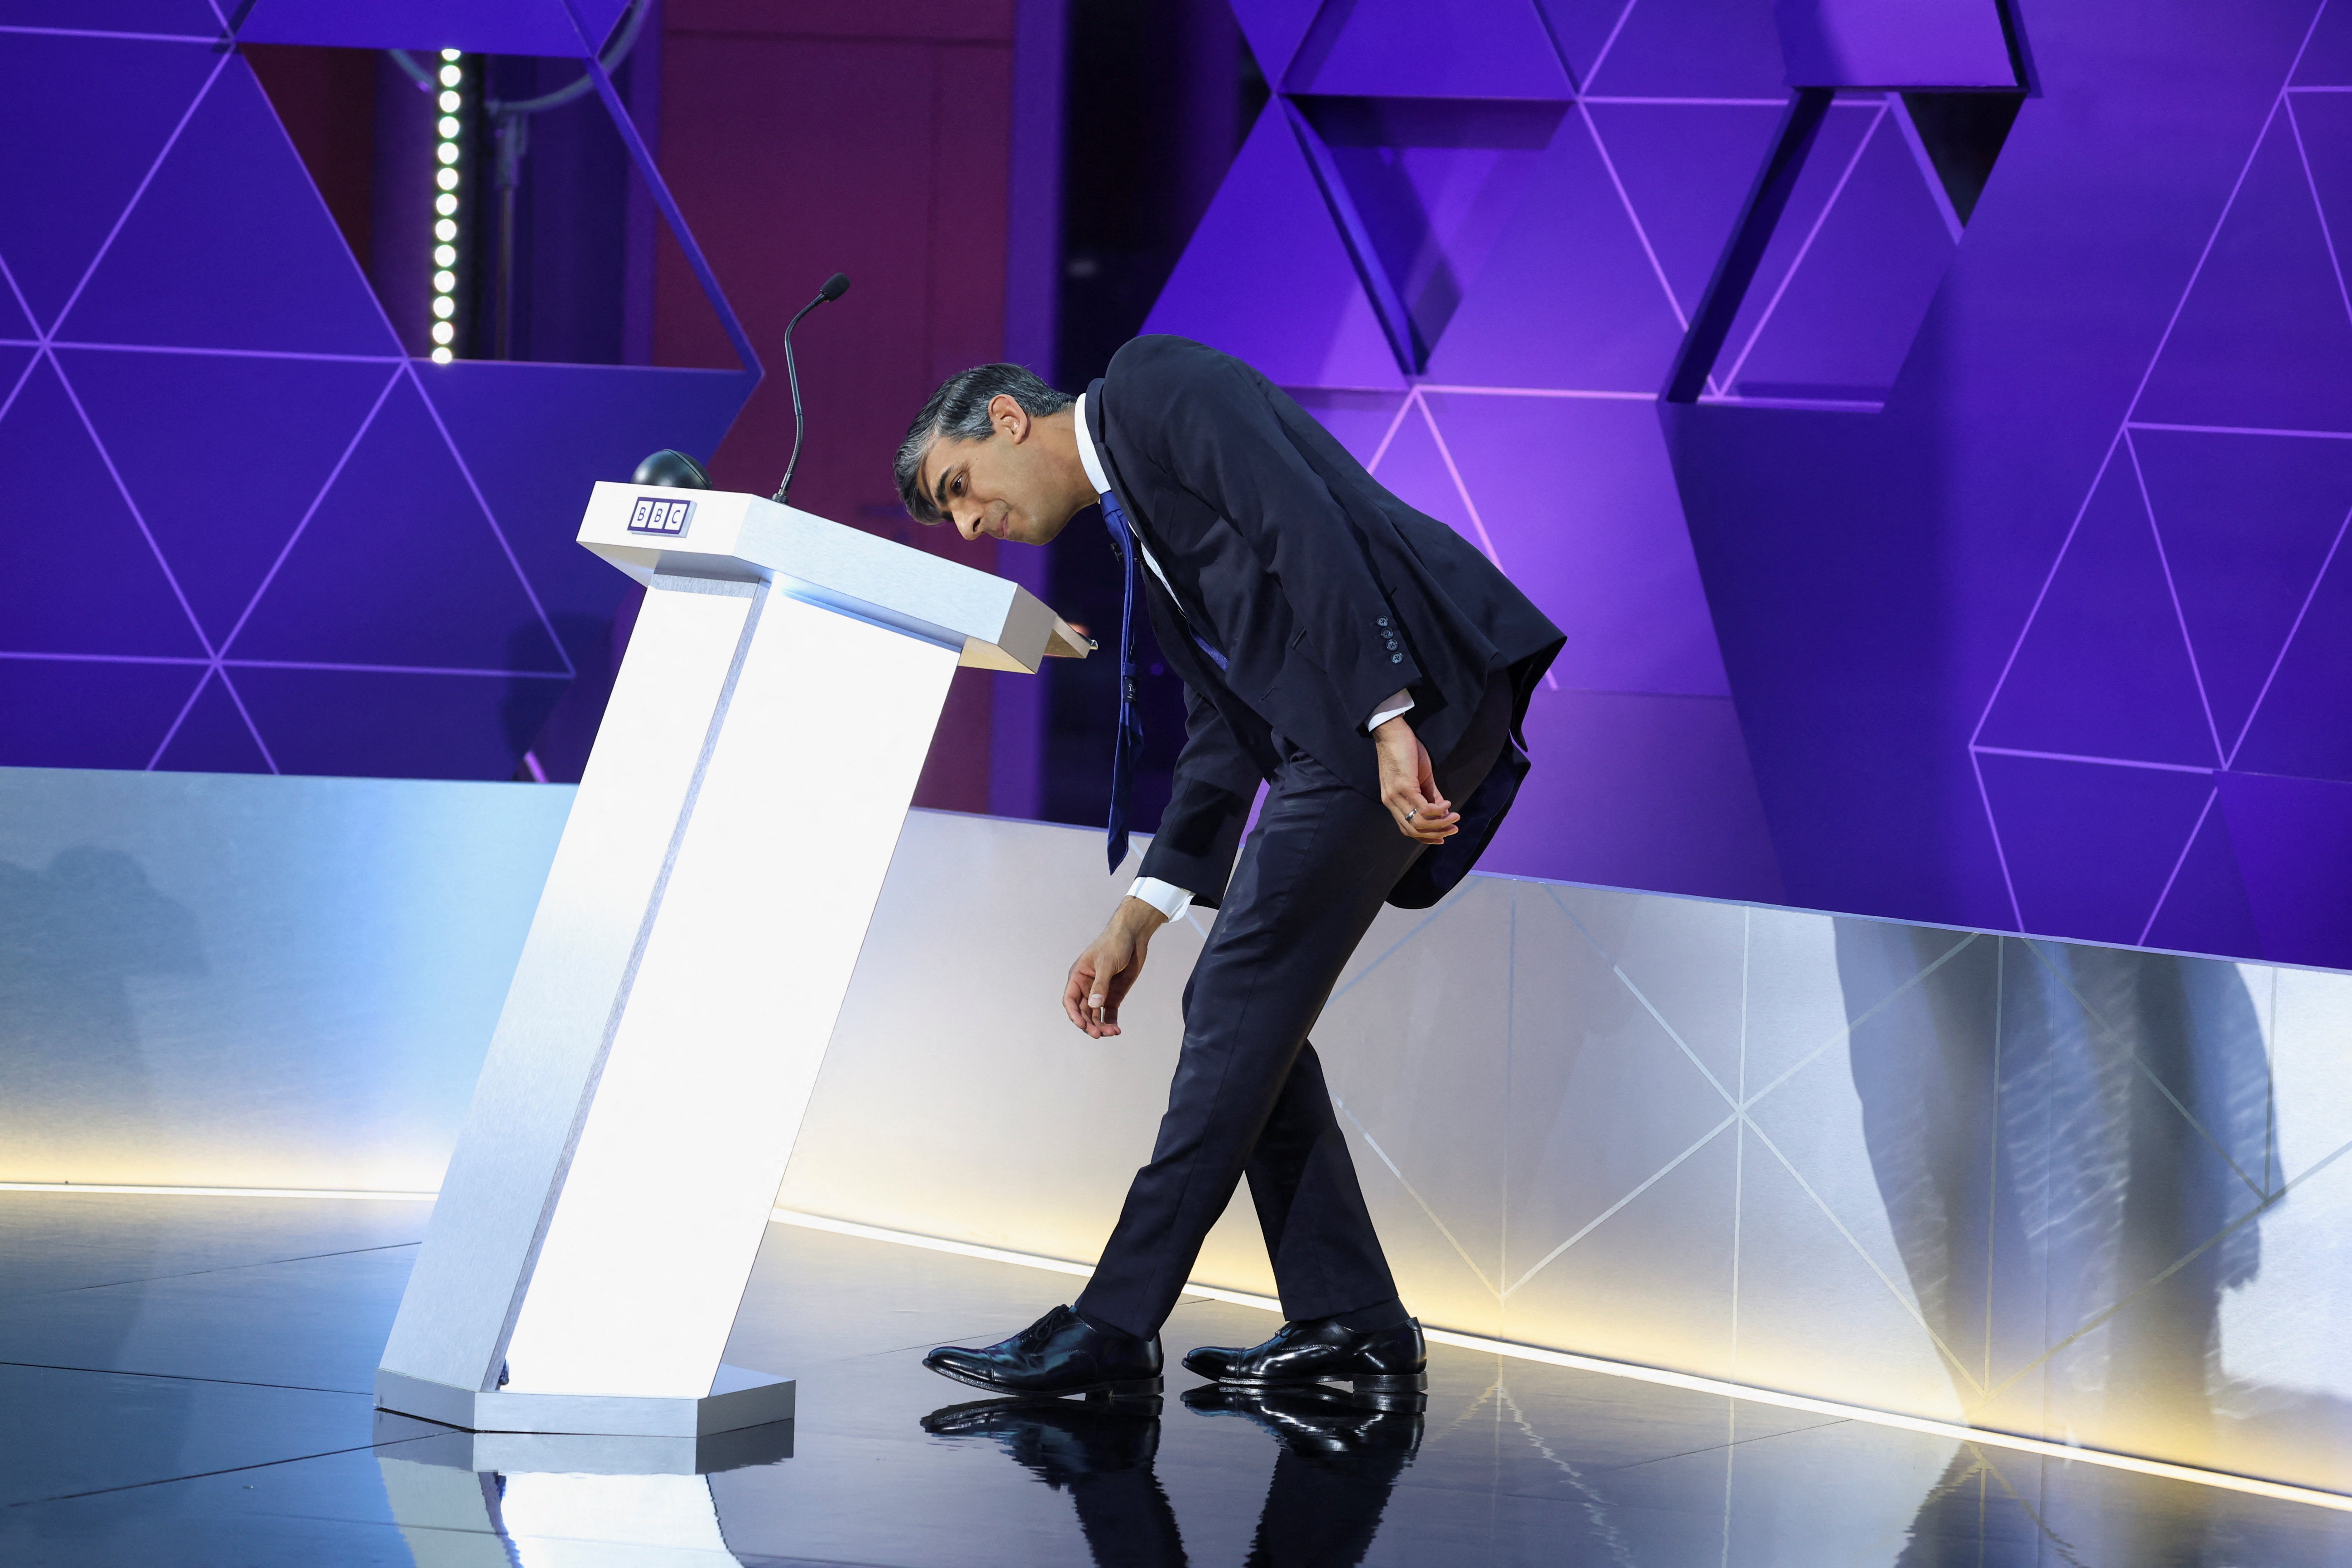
[[1408, 786]]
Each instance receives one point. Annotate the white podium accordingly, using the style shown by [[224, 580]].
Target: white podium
[[683, 973]]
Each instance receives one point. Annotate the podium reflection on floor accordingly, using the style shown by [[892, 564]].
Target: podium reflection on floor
[[1336, 1457]]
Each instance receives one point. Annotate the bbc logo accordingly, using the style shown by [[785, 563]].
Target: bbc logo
[[660, 516]]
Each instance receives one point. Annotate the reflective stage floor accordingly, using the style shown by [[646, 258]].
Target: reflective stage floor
[[185, 1382]]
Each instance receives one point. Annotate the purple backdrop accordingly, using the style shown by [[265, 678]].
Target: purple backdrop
[[272, 541], [1995, 575]]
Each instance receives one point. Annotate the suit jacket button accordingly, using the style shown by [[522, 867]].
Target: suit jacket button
[[1396, 659], [1381, 622]]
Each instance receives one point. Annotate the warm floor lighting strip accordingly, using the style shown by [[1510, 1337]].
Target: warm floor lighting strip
[[215, 1192], [1948, 1430]]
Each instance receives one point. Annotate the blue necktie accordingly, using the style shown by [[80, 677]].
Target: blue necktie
[[1130, 745]]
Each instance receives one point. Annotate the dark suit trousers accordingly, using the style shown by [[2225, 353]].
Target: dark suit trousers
[[1249, 1092]]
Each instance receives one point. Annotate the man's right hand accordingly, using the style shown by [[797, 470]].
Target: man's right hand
[[1106, 972]]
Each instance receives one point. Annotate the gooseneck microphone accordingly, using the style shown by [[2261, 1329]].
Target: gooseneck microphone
[[835, 288]]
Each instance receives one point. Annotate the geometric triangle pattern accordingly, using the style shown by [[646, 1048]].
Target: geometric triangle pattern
[[294, 548], [2166, 739], [1929, 1147]]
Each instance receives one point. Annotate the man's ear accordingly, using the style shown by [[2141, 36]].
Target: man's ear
[[1005, 413]]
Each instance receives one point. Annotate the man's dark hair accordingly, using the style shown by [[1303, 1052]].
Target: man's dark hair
[[958, 411]]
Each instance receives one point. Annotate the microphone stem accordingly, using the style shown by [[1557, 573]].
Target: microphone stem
[[792, 375]]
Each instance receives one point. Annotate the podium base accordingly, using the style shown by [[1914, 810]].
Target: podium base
[[580, 1453], [739, 1397]]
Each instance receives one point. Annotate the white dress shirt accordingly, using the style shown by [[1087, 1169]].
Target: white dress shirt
[[1166, 896]]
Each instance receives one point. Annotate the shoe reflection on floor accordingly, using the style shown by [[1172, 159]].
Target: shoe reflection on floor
[[1336, 1457]]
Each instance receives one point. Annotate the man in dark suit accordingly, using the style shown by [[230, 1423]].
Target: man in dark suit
[[1366, 664]]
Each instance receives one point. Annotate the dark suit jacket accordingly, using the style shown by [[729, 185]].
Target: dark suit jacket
[[1324, 592]]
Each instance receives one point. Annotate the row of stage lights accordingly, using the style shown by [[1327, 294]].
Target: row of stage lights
[[445, 206]]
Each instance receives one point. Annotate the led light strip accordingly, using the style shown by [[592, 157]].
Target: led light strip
[[447, 150], [1948, 1430]]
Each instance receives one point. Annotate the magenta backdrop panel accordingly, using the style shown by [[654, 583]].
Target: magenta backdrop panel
[[296, 548]]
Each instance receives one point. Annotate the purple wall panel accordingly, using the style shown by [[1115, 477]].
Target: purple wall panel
[[2246, 522], [177, 469], [1269, 278], [1867, 43], [117, 600], [1685, 169], [79, 155], [2294, 839], [1841, 319], [399, 565], [1428, 48], [2103, 669], [1273, 28], [1579, 499], [1688, 49], [484, 26], [1569, 297], [296, 548], [2263, 338]]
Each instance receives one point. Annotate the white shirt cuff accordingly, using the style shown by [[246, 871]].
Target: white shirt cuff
[[1400, 703], [1166, 896]]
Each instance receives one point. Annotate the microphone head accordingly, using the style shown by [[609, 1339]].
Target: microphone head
[[673, 470], [835, 287]]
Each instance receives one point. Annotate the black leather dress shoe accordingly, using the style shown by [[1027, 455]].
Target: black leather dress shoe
[[1391, 1360], [1061, 1352]]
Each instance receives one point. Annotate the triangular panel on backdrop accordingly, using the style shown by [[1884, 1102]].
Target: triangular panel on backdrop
[[2328, 56], [1581, 29], [213, 736], [81, 713], [1266, 276], [1845, 320], [1414, 468], [1433, 183], [1593, 531], [1359, 421], [1430, 49], [2207, 910], [372, 723], [15, 359], [13, 322], [256, 260], [2103, 670], [193, 20], [515, 28], [1273, 28], [2247, 521], [116, 598], [2323, 124], [1566, 297], [2089, 845], [223, 455], [77, 152], [537, 438], [400, 566], [1686, 169], [2299, 726], [2263, 338], [1693, 48], [2294, 839], [1840, 140]]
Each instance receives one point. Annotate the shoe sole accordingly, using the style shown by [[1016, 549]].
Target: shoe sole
[[1118, 1388]]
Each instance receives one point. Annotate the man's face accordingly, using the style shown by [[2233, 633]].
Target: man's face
[[1002, 488]]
